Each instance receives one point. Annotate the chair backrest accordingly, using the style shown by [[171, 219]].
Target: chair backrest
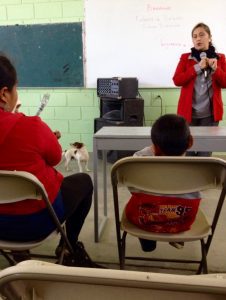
[[18, 185], [169, 175], [39, 280]]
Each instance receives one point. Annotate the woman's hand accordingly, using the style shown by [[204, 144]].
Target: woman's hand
[[212, 62], [57, 134], [203, 63]]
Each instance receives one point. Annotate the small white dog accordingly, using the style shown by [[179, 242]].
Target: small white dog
[[78, 151]]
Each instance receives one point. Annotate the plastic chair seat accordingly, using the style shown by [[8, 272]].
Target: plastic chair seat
[[199, 229]]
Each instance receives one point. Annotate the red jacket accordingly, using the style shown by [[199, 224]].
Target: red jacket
[[185, 76], [28, 144]]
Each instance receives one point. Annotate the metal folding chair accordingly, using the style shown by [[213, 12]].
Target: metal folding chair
[[17, 186], [169, 175], [36, 280]]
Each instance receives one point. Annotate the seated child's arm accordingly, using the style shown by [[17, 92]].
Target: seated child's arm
[[147, 151]]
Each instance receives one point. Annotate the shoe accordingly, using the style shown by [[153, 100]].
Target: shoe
[[59, 250], [148, 245], [80, 258], [19, 256], [178, 245]]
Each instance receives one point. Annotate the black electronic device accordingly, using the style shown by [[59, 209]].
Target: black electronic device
[[117, 87], [107, 105], [133, 111], [100, 122], [127, 110]]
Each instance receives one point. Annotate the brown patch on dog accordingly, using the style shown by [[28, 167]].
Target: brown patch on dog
[[77, 145]]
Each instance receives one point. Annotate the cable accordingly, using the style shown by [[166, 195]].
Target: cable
[[161, 103]]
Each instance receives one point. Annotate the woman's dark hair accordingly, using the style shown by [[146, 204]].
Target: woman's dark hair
[[8, 76], [205, 27], [171, 134]]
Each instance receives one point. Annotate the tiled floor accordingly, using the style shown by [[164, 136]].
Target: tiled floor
[[106, 250]]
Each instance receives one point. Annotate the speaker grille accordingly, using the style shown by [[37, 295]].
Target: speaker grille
[[117, 88]]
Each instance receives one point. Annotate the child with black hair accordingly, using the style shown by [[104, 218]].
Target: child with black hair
[[170, 136]]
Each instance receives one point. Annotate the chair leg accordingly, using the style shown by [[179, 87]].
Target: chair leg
[[8, 258], [64, 247], [123, 250], [61, 258], [203, 264]]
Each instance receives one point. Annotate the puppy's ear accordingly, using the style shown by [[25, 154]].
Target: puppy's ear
[[74, 144], [79, 145]]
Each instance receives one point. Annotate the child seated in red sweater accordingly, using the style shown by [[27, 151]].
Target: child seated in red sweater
[[170, 136]]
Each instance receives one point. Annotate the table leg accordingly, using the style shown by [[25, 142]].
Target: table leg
[[99, 226], [95, 191], [105, 182]]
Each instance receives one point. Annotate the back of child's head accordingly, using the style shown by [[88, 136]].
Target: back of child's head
[[171, 134], [8, 76]]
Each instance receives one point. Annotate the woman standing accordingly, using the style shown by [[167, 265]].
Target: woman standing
[[201, 74]]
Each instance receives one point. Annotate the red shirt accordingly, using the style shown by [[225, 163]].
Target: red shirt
[[28, 144]]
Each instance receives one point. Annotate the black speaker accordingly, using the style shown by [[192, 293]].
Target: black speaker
[[114, 155], [117, 87], [127, 110], [110, 109], [100, 122], [133, 111]]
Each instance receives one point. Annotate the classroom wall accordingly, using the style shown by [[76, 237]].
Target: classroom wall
[[72, 111]]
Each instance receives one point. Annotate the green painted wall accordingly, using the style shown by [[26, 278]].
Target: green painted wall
[[72, 111]]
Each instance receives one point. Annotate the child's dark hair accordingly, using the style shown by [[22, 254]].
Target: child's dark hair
[[171, 134], [8, 76]]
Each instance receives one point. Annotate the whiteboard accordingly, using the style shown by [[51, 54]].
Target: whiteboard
[[145, 38]]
